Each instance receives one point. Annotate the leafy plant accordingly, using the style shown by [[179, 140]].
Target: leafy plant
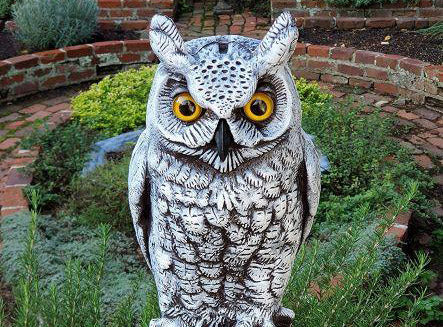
[[435, 30], [116, 104], [64, 151], [47, 24], [5, 8], [101, 196]]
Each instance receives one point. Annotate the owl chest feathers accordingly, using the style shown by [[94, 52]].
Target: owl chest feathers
[[205, 216]]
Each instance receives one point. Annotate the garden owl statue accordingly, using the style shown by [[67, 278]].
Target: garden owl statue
[[223, 182]]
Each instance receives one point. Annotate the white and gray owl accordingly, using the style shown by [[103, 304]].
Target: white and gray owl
[[223, 182]]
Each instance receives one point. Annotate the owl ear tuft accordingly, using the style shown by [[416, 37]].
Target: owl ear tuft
[[277, 46], [167, 43]]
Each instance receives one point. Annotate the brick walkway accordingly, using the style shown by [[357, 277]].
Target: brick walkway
[[18, 120]]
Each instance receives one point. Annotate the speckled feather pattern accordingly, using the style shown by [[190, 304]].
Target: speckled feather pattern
[[220, 237]]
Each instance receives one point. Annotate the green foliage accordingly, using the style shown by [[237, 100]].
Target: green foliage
[[185, 6], [258, 7], [368, 170], [116, 104], [71, 276], [47, 24], [339, 282], [101, 196], [435, 30], [64, 151], [5, 8], [364, 3]]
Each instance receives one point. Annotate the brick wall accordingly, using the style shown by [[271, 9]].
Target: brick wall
[[386, 74], [132, 14], [317, 13], [23, 75]]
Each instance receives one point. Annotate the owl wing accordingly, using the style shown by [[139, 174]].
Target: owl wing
[[310, 182], [139, 194]]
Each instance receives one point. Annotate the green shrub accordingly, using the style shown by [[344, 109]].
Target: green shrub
[[47, 24], [116, 104], [102, 197], [5, 8], [435, 30], [64, 151], [358, 146]]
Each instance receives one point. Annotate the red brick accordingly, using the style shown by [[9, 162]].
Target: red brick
[[399, 231], [13, 197], [437, 141], [321, 65], [413, 66], [387, 61], [298, 63], [17, 178], [147, 13], [328, 78], [54, 81], [300, 49], [365, 57], [407, 115], [81, 76], [380, 22], [22, 62], [12, 79], [323, 22], [318, 50], [131, 25], [15, 125], [162, 3], [38, 115], [4, 67], [134, 3], [108, 47], [123, 13], [59, 107], [26, 87], [42, 72], [107, 25], [109, 3], [386, 88], [8, 143], [129, 57], [299, 21], [377, 73], [431, 12], [79, 51], [406, 22], [421, 23], [307, 75], [425, 3], [360, 83], [32, 109], [348, 23], [50, 56], [424, 161], [342, 53], [137, 45], [350, 70]]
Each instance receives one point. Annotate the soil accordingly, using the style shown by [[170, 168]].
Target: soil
[[402, 42], [10, 47]]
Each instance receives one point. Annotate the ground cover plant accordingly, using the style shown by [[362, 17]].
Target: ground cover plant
[[48, 24], [5, 8], [347, 268]]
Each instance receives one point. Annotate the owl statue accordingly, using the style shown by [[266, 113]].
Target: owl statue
[[223, 182]]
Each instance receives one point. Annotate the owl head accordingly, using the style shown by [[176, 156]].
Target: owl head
[[223, 100]]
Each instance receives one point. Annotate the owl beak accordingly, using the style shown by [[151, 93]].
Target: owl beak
[[223, 139]]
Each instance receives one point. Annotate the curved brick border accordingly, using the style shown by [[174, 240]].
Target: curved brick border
[[387, 74], [317, 13], [23, 75]]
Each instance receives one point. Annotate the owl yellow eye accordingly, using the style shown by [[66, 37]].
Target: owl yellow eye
[[185, 108], [260, 107]]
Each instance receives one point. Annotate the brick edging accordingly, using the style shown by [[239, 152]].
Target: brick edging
[[32, 73], [387, 74]]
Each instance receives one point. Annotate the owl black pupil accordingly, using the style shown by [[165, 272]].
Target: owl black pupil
[[187, 108], [258, 107]]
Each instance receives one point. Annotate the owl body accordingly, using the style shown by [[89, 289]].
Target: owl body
[[222, 204]]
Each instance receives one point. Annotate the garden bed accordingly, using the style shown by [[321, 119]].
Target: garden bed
[[401, 42]]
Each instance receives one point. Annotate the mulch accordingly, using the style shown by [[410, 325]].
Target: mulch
[[402, 42], [10, 47]]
